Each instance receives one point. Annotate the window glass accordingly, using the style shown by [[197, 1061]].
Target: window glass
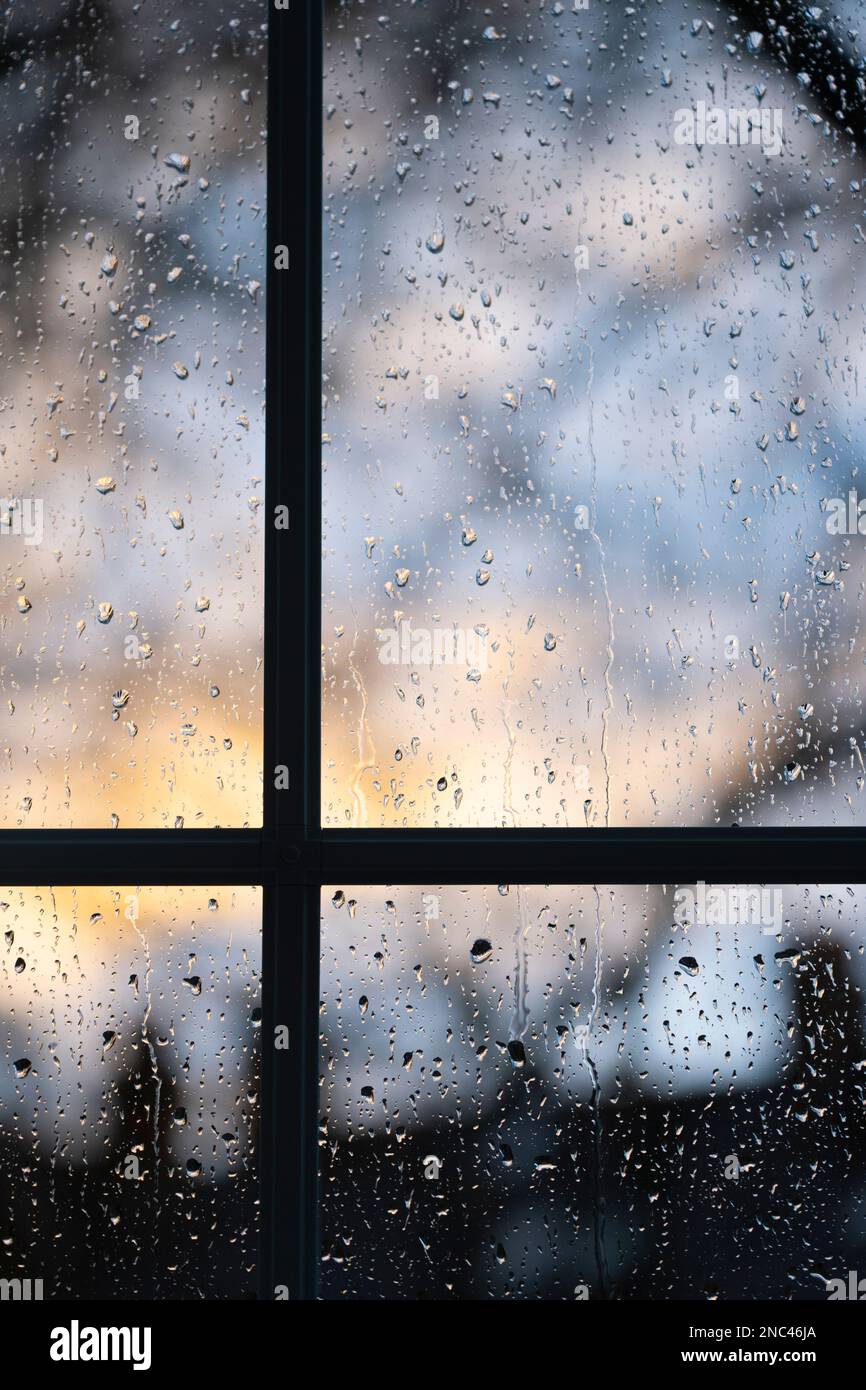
[[593, 335], [569, 1093], [129, 1091], [131, 419]]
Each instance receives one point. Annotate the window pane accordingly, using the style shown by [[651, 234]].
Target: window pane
[[129, 1092], [131, 426], [592, 334], [560, 1093]]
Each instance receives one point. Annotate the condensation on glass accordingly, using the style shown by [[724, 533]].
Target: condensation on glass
[[593, 338], [131, 419], [581, 1093], [129, 1092]]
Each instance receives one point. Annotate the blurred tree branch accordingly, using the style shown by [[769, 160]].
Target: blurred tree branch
[[800, 39]]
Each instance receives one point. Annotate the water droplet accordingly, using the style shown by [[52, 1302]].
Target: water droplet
[[436, 239]]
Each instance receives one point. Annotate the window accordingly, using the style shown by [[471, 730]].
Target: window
[[130, 1091], [131, 515], [600, 1092], [588, 459], [407, 816]]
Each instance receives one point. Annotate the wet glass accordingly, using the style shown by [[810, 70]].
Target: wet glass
[[581, 1093], [129, 1092], [593, 333], [131, 420]]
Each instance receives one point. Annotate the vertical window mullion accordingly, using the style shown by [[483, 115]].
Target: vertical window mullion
[[291, 915], [293, 428], [289, 1262]]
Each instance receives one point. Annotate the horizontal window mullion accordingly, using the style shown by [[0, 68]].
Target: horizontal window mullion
[[454, 856], [628, 856], [171, 856]]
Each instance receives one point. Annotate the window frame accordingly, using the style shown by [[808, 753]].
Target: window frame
[[291, 856]]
